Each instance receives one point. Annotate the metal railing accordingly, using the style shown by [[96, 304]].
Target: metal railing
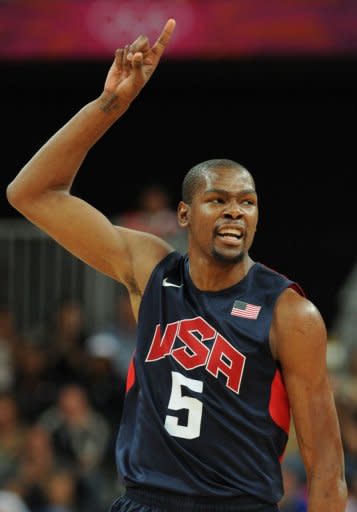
[[36, 272]]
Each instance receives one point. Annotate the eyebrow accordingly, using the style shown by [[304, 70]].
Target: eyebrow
[[225, 191]]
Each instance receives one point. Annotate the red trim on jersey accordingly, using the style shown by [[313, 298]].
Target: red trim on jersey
[[131, 375], [279, 406], [298, 289]]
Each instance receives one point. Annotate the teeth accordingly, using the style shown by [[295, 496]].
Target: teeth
[[231, 233]]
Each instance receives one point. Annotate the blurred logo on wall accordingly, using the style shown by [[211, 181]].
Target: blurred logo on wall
[[72, 29]]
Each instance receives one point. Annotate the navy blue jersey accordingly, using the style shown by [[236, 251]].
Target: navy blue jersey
[[206, 411]]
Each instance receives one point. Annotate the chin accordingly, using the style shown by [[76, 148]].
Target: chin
[[228, 258]]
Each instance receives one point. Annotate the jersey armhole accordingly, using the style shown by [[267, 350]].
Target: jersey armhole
[[298, 289]]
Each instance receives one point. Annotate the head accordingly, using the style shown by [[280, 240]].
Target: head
[[73, 402], [9, 412], [154, 198], [61, 489], [7, 321], [69, 314], [219, 208]]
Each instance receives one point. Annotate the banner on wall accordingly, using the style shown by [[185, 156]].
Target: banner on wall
[[72, 29]]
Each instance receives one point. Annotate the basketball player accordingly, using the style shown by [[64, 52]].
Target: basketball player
[[226, 346]]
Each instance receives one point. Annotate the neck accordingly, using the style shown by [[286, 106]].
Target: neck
[[208, 275]]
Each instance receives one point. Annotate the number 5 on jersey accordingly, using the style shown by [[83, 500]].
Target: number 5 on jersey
[[178, 401]]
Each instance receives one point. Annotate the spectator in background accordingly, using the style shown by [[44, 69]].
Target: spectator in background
[[12, 436], [35, 389], [104, 386], [63, 337], [78, 432], [117, 338], [154, 212], [81, 438], [10, 343], [156, 215], [8, 329], [61, 493], [38, 470], [35, 466]]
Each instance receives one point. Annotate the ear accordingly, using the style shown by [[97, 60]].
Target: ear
[[183, 214]]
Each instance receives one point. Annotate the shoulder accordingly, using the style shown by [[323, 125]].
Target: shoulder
[[298, 327], [293, 307]]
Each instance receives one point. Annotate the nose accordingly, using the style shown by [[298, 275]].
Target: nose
[[232, 210]]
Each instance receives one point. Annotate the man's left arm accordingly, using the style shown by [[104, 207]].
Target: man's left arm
[[299, 341]]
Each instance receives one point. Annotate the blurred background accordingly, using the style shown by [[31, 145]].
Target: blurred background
[[271, 85]]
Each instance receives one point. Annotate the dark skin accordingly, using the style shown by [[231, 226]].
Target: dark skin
[[221, 221]]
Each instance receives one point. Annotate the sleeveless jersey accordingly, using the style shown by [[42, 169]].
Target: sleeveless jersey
[[206, 411]]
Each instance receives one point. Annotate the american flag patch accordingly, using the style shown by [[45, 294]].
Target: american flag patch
[[245, 310]]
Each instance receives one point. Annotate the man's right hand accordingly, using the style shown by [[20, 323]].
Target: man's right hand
[[134, 64]]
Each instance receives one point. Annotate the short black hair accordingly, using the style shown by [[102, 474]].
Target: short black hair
[[195, 174]]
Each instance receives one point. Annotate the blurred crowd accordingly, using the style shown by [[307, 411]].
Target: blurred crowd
[[62, 389], [61, 398]]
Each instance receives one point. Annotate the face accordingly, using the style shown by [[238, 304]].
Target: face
[[223, 216]]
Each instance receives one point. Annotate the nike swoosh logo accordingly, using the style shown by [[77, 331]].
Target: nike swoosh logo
[[165, 282]]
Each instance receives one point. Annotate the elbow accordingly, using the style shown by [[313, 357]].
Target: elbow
[[20, 197], [30, 201], [11, 194], [14, 196]]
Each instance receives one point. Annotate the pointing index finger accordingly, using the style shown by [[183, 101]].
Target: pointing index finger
[[164, 37]]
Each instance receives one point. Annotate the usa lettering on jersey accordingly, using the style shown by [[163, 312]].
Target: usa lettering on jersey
[[185, 341]]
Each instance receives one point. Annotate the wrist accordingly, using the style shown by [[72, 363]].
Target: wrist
[[111, 103]]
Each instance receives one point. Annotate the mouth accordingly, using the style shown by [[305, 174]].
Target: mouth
[[231, 236]]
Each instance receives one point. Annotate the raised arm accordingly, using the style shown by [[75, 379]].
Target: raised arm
[[41, 190], [299, 341]]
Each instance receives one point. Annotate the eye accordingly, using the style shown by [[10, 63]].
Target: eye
[[215, 200], [249, 202]]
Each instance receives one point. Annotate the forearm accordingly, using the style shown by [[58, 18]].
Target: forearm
[[56, 163]]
